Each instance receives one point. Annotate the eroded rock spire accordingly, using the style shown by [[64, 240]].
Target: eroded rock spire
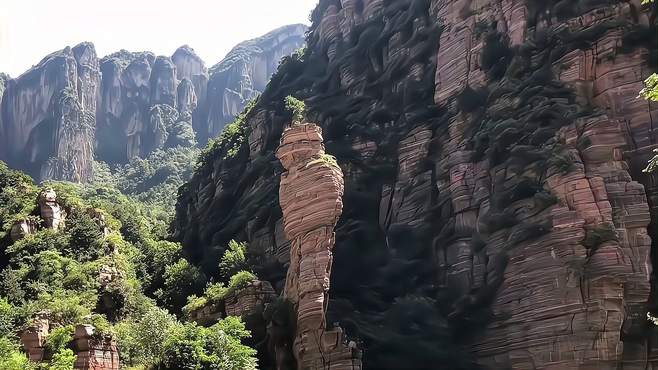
[[311, 195]]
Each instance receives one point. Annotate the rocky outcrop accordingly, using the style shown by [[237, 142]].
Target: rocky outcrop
[[207, 315], [51, 212], [137, 90], [247, 300], [22, 228], [244, 73], [48, 122], [311, 200], [94, 352], [33, 338], [495, 208], [191, 68]]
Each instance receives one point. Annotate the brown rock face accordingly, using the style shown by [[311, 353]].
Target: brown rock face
[[311, 199], [575, 298], [245, 301], [495, 208], [94, 353], [33, 339]]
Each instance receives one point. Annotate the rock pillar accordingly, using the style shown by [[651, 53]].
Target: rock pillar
[[310, 195]]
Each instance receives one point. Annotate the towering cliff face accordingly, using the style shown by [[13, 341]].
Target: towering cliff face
[[244, 73], [48, 121], [137, 89], [495, 210], [72, 106]]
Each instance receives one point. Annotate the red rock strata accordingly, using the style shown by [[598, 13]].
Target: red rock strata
[[311, 199]]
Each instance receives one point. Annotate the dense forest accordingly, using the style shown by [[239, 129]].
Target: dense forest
[[102, 259]]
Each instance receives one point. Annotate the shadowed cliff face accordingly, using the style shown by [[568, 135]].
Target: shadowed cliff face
[[495, 213], [48, 116], [72, 106]]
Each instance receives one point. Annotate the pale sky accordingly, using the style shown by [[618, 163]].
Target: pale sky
[[31, 29]]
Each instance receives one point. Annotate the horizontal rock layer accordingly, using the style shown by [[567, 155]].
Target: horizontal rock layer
[[495, 208], [310, 195]]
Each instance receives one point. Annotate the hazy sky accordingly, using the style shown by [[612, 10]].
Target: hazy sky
[[31, 29]]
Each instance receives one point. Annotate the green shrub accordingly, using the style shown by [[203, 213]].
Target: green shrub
[[141, 340], [324, 158], [234, 259], [229, 142], [194, 303], [598, 235], [11, 358], [650, 91], [181, 280], [62, 360], [297, 107], [65, 308], [59, 338], [86, 241], [215, 292], [43, 240], [7, 318], [217, 347], [241, 280]]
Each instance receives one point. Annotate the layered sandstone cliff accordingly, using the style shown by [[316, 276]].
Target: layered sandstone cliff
[[495, 210]]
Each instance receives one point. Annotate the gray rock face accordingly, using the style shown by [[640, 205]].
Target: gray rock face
[[245, 72], [48, 121], [132, 83], [189, 66], [72, 107]]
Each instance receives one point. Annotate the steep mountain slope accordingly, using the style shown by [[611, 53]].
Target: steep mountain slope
[[495, 210], [244, 73], [72, 107]]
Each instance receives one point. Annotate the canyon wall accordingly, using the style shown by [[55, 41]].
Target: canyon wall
[[495, 212], [73, 107]]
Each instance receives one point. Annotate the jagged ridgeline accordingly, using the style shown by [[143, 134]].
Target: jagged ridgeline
[[494, 194], [73, 107]]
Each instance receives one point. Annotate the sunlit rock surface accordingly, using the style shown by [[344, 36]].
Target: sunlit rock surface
[[48, 116], [495, 208], [310, 195]]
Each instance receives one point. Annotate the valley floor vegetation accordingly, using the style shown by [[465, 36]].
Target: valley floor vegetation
[[108, 264]]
